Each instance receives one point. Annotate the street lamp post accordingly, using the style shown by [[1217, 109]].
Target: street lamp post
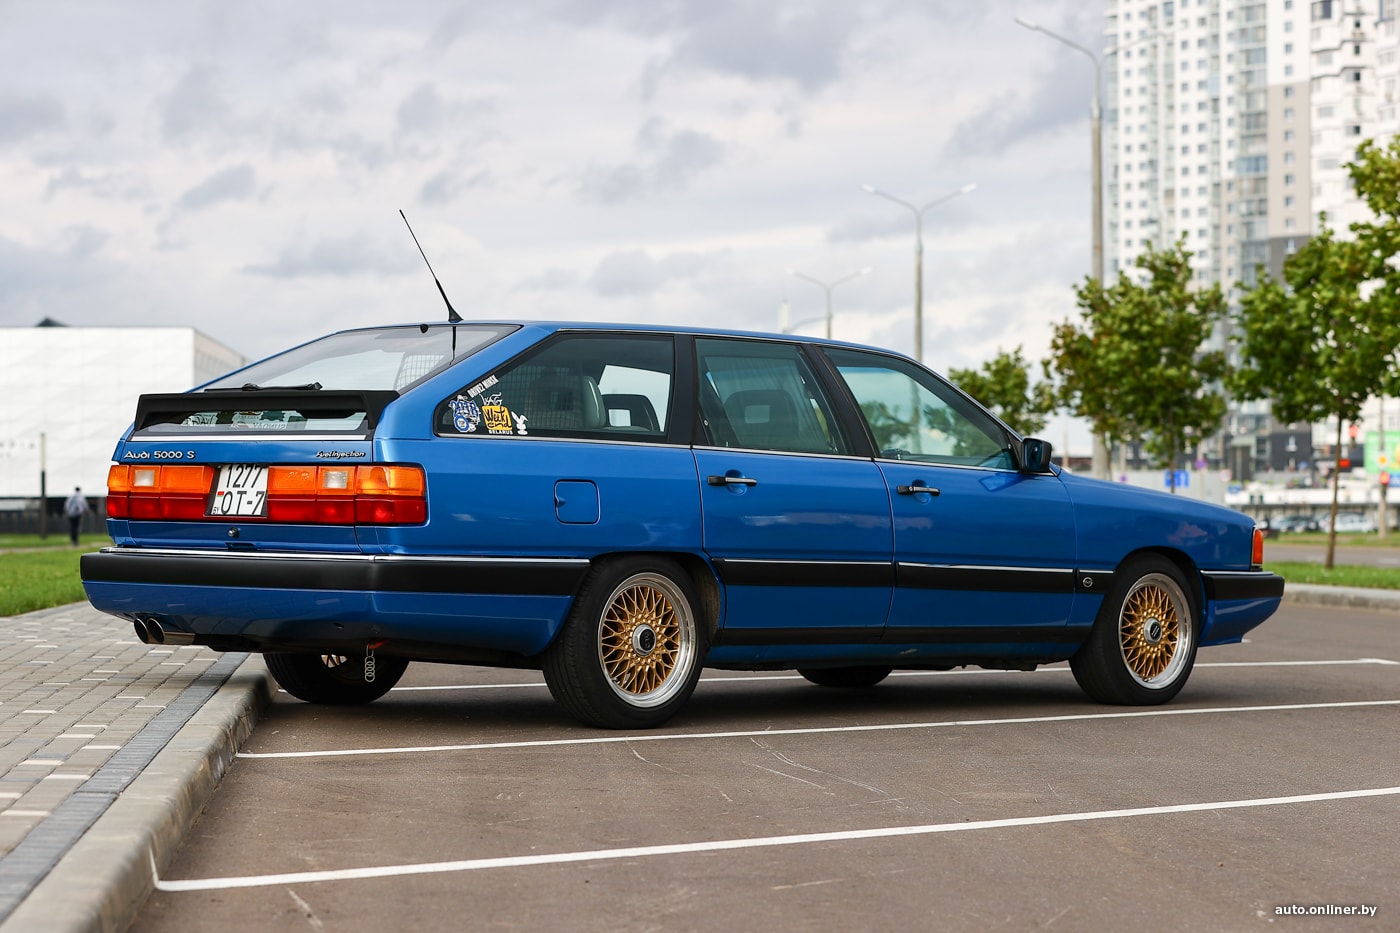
[[827, 287], [918, 213], [1095, 138], [1100, 463]]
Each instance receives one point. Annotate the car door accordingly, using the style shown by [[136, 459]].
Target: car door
[[539, 458], [796, 524], [983, 552]]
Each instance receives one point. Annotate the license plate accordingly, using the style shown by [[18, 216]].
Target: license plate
[[241, 490]]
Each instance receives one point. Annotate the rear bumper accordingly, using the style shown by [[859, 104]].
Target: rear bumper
[[288, 601]]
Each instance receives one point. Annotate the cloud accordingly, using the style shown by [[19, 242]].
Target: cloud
[[194, 106], [805, 43], [115, 185], [665, 161], [550, 280], [634, 272], [23, 117], [231, 184], [448, 185], [39, 282], [338, 257]]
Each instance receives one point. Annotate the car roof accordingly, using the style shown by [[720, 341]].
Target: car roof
[[555, 325]]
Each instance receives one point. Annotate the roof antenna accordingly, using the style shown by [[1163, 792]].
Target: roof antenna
[[452, 315]]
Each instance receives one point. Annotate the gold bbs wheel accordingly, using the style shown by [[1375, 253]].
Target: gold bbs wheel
[[646, 639], [632, 647], [1154, 630], [1142, 646]]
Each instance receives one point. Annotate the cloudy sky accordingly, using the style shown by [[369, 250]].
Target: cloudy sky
[[238, 166]]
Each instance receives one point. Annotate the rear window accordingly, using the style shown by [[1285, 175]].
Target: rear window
[[376, 359]]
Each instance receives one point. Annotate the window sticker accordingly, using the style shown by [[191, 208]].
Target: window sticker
[[466, 414], [496, 416], [482, 386]]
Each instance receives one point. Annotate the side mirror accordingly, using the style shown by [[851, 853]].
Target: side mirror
[[1035, 455]]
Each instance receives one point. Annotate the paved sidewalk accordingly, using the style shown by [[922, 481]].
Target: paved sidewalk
[[110, 748], [85, 711]]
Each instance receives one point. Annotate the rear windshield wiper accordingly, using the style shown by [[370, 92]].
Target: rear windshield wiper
[[308, 387]]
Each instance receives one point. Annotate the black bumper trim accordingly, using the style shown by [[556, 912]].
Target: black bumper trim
[[357, 572], [1243, 584]]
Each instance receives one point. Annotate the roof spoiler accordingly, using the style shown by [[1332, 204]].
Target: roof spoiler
[[174, 407]]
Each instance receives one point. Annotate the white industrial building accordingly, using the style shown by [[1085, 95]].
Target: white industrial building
[[67, 394]]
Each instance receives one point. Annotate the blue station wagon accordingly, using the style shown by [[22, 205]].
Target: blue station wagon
[[623, 506]]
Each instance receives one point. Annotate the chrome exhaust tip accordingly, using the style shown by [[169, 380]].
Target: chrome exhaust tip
[[151, 632]]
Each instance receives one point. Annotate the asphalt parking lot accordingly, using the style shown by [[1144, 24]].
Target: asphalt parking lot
[[962, 800]]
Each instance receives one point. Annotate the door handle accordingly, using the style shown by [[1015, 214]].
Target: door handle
[[731, 481], [916, 489]]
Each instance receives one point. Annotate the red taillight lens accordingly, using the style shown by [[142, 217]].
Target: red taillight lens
[[168, 492], [1256, 557], [382, 494]]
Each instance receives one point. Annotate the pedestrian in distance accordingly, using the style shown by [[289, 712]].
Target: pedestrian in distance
[[75, 508]]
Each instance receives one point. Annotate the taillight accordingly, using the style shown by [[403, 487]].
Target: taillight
[[164, 492], [379, 494], [1256, 556]]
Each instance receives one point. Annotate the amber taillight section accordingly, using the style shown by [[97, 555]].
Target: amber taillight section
[[160, 492], [380, 494], [1256, 557]]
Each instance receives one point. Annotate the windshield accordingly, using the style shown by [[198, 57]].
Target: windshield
[[385, 358]]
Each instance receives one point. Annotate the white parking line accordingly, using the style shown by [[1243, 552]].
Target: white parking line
[[722, 845], [1040, 670], [811, 730]]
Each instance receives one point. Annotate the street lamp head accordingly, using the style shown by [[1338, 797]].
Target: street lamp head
[[870, 189], [970, 186], [1022, 21]]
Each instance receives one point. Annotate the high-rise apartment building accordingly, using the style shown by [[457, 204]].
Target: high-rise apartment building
[[1229, 123]]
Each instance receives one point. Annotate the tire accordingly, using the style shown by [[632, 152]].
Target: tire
[[1143, 644], [334, 679], [848, 677], [631, 648]]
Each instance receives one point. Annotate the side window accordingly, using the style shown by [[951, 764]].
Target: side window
[[599, 386], [916, 416], [763, 396]]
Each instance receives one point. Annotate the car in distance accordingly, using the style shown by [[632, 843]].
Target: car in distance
[[623, 506], [1350, 522], [1292, 524]]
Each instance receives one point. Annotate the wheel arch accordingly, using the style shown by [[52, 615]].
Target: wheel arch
[[1183, 562], [701, 574]]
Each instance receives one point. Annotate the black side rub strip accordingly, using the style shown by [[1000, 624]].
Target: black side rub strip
[[741, 572], [753, 572], [372, 573], [926, 635]]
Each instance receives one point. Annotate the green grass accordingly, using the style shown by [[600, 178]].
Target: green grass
[[32, 580], [1383, 578], [1344, 539], [56, 538]]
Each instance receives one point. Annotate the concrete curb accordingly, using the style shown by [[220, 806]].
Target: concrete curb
[[102, 882], [1350, 597]]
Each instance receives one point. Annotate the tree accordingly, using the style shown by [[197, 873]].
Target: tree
[[1134, 366], [1310, 344], [1375, 175], [1004, 385]]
